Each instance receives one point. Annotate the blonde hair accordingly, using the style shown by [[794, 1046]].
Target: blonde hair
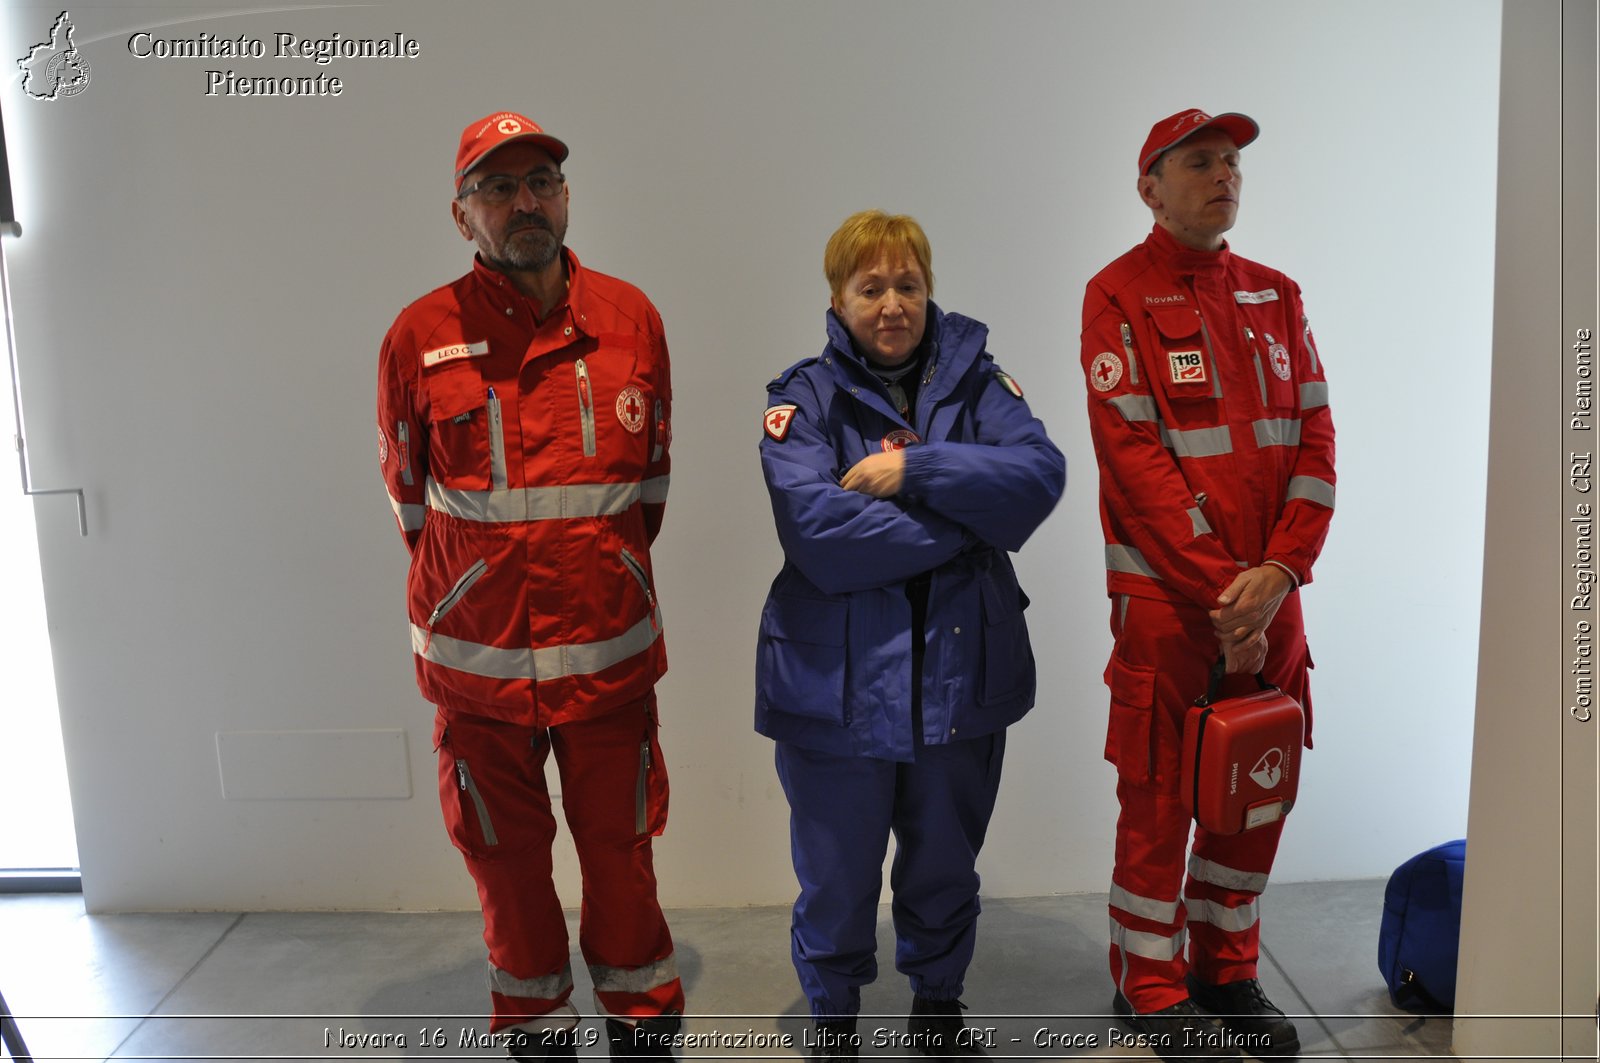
[[868, 233]]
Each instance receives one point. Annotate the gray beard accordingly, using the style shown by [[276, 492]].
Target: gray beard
[[527, 256]]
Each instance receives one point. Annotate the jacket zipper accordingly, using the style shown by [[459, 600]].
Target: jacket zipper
[[1127, 349], [402, 432], [1305, 331], [456, 593], [497, 444], [470, 788], [1255, 356], [644, 584], [640, 822], [585, 407], [661, 431]]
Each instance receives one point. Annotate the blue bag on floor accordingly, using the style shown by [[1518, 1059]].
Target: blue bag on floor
[[1421, 931]]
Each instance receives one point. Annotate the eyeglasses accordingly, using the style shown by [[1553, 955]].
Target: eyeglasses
[[500, 188]]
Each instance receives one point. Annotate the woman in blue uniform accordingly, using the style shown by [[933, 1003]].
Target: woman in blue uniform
[[903, 465]]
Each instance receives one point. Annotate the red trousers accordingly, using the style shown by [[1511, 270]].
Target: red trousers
[[1163, 655], [498, 812]]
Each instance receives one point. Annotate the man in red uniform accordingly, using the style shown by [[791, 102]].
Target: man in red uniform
[[1209, 412], [523, 429]]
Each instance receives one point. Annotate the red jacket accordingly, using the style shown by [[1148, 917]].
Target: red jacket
[[1209, 412], [527, 466]]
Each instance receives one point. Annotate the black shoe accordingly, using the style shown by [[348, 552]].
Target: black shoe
[[836, 1039], [1179, 1034], [1260, 1025], [937, 1029], [525, 1047], [644, 1039]]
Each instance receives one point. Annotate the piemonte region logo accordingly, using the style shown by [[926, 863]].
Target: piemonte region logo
[[55, 69]]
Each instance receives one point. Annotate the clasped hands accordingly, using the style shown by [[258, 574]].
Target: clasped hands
[[1243, 613]]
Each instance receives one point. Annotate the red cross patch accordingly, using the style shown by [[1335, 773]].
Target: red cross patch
[[899, 439], [777, 420], [630, 409], [1279, 354], [1105, 371]]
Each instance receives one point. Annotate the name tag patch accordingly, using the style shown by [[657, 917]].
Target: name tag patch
[[1188, 367], [452, 352], [1265, 295]]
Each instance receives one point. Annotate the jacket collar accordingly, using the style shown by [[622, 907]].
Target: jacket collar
[[953, 343], [1182, 259], [503, 295]]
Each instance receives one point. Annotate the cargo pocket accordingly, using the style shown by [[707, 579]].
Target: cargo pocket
[[467, 814], [460, 452], [1129, 742], [801, 656], [650, 790], [1008, 668]]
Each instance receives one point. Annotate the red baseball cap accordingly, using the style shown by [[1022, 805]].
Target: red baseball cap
[[1170, 132], [498, 130]]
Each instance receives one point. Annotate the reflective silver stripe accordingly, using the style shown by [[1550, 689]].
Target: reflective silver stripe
[[631, 563], [1310, 487], [1121, 558], [1144, 907], [1226, 877], [586, 658], [1313, 394], [585, 407], [549, 987], [1277, 432], [497, 444], [1150, 946], [409, 514], [1198, 442], [462, 585], [1216, 386], [402, 432], [659, 430], [634, 979], [654, 489], [1231, 919], [540, 665], [538, 503], [1198, 519], [1136, 407], [485, 825]]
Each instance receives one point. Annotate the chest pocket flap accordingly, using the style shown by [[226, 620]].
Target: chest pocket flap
[[458, 427], [1182, 366]]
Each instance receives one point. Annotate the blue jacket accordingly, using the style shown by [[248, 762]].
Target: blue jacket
[[833, 668]]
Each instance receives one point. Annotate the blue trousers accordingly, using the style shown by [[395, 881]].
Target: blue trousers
[[842, 811]]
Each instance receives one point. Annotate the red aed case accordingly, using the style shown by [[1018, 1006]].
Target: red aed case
[[1241, 757]]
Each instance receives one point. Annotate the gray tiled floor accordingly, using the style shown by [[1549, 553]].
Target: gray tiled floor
[[336, 986]]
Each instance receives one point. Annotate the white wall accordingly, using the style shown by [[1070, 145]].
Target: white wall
[[202, 285]]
